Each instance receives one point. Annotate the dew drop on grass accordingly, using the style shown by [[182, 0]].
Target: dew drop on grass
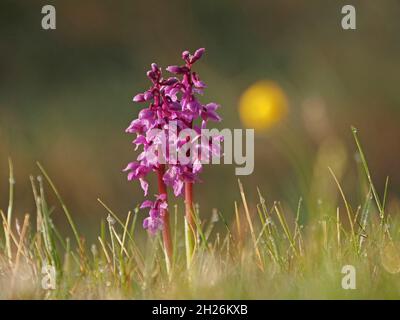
[[110, 220]]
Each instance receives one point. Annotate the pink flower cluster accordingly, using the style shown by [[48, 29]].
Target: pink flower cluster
[[171, 99]]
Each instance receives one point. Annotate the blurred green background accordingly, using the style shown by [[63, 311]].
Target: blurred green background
[[65, 95]]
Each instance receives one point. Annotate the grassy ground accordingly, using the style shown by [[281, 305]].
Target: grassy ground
[[261, 254]]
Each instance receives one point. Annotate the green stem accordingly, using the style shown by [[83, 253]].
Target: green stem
[[166, 231], [190, 226]]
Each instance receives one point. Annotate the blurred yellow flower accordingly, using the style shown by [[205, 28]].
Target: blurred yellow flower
[[262, 105]]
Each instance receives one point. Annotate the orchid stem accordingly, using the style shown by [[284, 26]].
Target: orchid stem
[[190, 223], [166, 232]]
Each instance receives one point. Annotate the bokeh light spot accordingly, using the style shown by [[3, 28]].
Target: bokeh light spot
[[262, 105], [390, 257]]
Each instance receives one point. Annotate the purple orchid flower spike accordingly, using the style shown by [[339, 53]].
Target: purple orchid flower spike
[[172, 103], [157, 208], [183, 176], [149, 118], [160, 108]]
